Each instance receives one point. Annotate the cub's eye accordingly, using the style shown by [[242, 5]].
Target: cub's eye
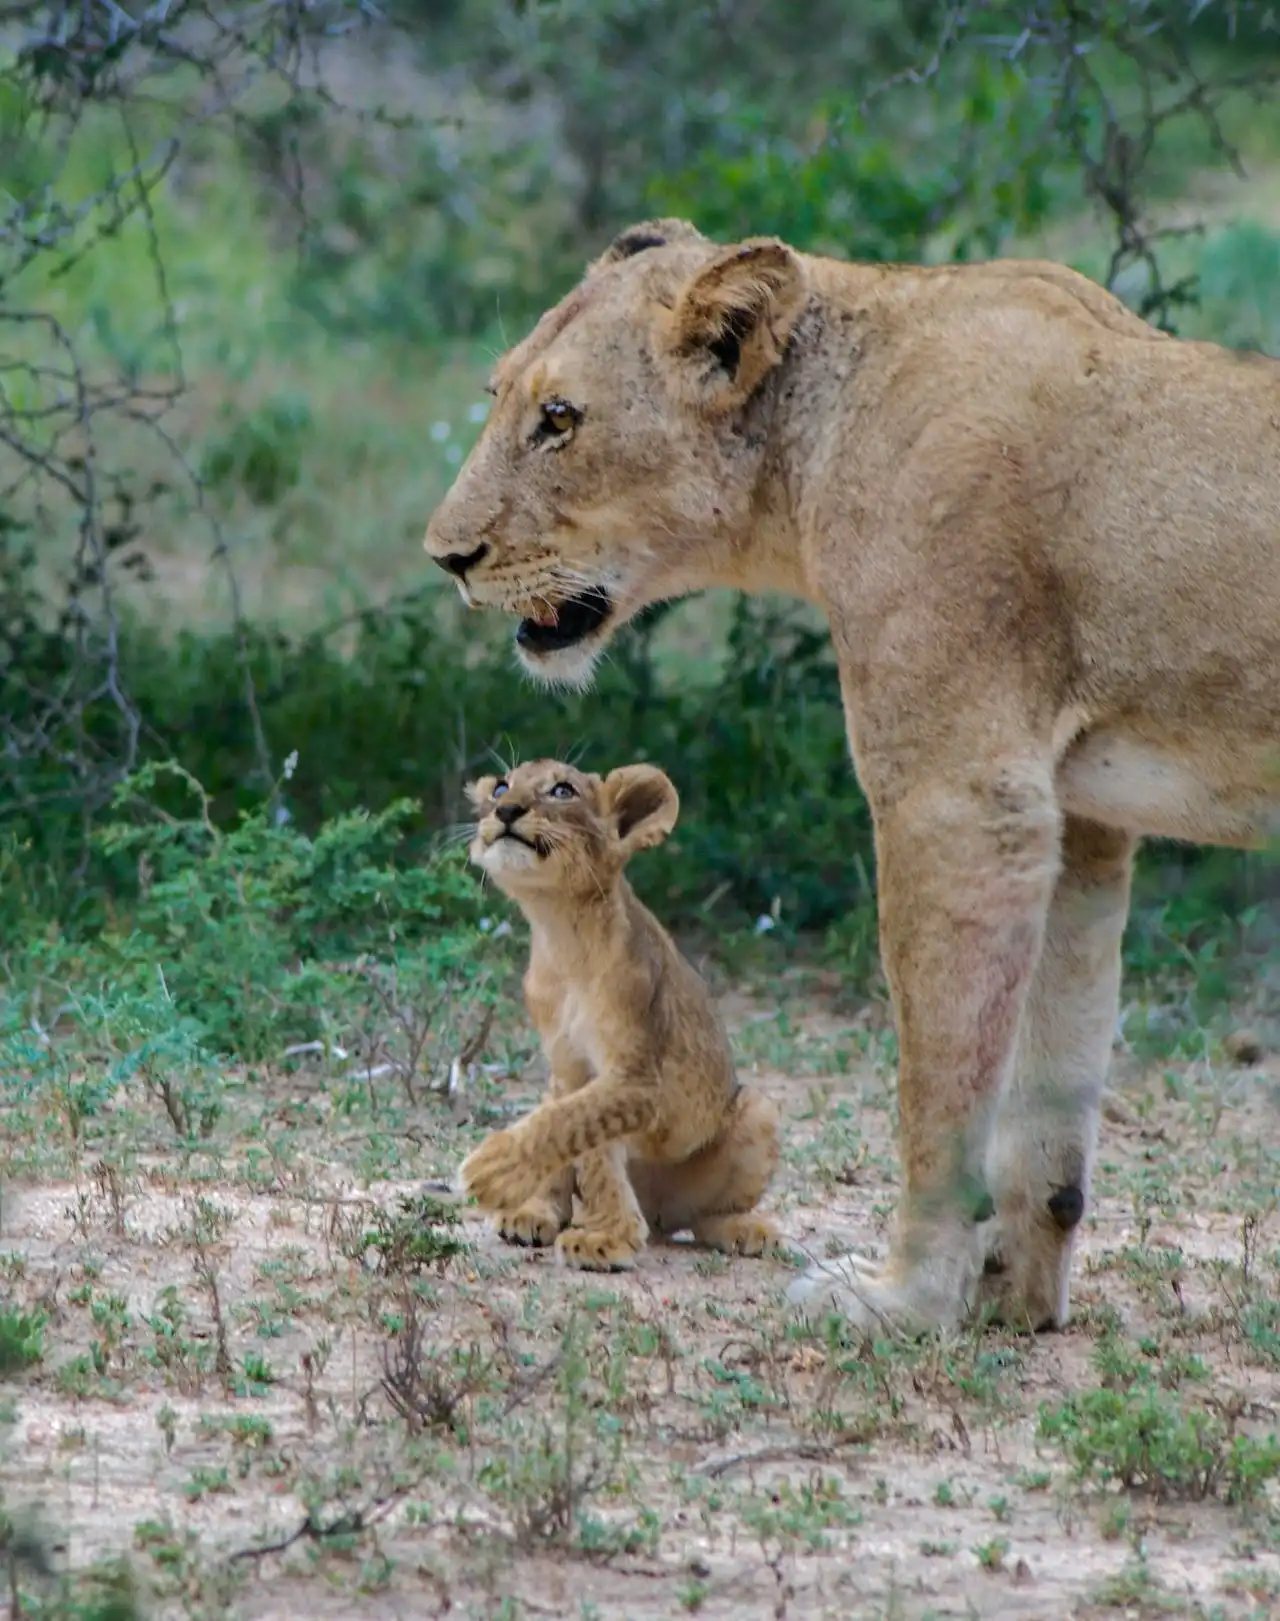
[[558, 418], [564, 790], [499, 788]]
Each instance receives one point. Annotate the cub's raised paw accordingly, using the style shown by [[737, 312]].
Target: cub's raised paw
[[737, 1235], [534, 1224], [599, 1249], [498, 1173]]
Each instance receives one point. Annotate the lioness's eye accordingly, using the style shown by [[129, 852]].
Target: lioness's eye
[[564, 790], [558, 417], [499, 788]]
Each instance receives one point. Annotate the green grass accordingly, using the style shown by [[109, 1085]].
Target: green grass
[[306, 1342]]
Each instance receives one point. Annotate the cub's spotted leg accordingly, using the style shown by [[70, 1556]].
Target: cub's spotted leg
[[610, 1230], [514, 1165], [966, 864], [537, 1222], [1040, 1162]]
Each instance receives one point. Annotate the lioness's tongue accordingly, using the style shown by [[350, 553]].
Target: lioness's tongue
[[548, 618]]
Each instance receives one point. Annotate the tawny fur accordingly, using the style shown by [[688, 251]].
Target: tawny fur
[[1047, 540], [645, 1120]]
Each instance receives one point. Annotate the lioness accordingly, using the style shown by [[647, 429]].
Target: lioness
[[644, 1104], [1047, 541]]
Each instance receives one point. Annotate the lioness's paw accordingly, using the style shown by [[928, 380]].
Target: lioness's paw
[[1026, 1278], [535, 1224], [892, 1299], [599, 1249], [498, 1173], [737, 1235]]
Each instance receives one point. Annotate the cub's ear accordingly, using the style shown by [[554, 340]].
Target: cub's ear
[[648, 234], [731, 322], [477, 792], [643, 803]]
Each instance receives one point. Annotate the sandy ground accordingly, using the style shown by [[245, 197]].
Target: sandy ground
[[717, 1461]]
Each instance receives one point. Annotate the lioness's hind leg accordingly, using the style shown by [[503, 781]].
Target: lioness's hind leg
[[1040, 1158], [714, 1192]]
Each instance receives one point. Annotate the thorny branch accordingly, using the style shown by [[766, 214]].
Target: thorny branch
[[1110, 122], [154, 75], [71, 71]]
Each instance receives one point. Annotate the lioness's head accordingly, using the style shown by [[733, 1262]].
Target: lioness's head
[[547, 827], [619, 463]]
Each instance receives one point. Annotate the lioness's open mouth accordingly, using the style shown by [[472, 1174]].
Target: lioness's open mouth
[[566, 624]]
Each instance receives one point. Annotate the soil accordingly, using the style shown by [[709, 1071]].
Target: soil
[[718, 1461]]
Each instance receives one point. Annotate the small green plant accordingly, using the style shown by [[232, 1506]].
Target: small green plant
[[803, 1514], [204, 1480], [21, 1339], [991, 1554], [421, 1232], [545, 1471], [1144, 1440]]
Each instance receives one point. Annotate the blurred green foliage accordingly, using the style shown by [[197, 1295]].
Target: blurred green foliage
[[313, 265]]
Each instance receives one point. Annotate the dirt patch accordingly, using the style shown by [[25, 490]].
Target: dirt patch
[[255, 1350]]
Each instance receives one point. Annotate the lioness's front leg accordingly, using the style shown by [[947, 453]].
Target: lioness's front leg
[[966, 867], [1040, 1162]]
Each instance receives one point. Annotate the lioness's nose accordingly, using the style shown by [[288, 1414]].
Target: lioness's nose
[[507, 814], [457, 563]]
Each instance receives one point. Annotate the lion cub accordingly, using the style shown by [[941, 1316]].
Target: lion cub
[[645, 1120]]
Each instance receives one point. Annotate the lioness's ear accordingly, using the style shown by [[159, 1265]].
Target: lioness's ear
[[648, 234], [643, 804], [477, 792], [731, 323]]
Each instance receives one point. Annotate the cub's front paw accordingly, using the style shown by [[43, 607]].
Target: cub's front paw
[[599, 1249], [498, 1173], [534, 1224]]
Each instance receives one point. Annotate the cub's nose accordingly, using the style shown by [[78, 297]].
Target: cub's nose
[[457, 563], [507, 814]]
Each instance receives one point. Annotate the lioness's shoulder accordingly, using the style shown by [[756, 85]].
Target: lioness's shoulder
[[987, 287]]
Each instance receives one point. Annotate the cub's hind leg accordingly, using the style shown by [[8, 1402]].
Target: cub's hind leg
[[714, 1193]]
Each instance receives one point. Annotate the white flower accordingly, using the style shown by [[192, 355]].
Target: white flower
[[477, 412], [440, 431]]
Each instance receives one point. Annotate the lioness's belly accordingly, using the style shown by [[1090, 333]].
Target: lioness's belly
[[1145, 789]]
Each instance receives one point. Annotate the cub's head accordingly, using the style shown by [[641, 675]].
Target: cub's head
[[620, 460], [547, 828]]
